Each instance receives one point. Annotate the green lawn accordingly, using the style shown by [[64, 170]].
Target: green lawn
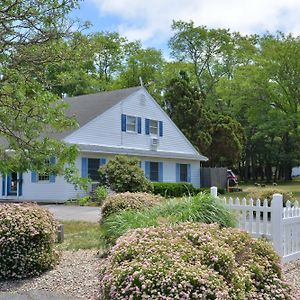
[[80, 235], [292, 186]]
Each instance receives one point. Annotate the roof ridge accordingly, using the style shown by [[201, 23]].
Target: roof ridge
[[105, 92]]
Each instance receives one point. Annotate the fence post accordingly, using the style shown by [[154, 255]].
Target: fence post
[[277, 223], [214, 191]]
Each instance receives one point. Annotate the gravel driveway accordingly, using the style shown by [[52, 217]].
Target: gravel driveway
[[77, 213]]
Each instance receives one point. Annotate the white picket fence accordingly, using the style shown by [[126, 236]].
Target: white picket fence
[[280, 225]]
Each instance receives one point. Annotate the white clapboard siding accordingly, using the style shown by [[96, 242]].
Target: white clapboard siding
[[279, 224]]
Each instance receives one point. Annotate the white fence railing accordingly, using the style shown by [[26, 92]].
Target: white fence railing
[[279, 224]]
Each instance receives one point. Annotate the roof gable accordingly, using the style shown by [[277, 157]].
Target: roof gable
[[85, 108]]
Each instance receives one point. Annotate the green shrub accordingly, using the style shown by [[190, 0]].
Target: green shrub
[[128, 201], [27, 236], [179, 189], [267, 193], [123, 174], [192, 261], [200, 208], [84, 200], [99, 195], [173, 189]]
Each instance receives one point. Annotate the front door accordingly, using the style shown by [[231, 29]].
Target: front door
[[14, 184]]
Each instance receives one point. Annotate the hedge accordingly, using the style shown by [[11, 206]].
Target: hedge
[[178, 189]]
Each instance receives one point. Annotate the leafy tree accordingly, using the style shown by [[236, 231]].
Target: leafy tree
[[123, 174], [264, 97], [185, 107], [29, 111], [206, 49]]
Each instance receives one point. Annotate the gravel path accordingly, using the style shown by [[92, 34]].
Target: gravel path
[[76, 276], [291, 273]]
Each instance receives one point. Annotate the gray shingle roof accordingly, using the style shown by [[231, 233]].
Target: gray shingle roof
[[87, 107]]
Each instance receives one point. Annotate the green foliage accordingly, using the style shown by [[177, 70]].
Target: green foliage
[[123, 174], [179, 189], [173, 189], [84, 200], [181, 96], [30, 111], [200, 208], [267, 193], [128, 201], [100, 194], [192, 261], [27, 236]]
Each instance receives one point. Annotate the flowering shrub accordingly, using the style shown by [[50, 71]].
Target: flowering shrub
[[27, 235], [128, 201], [192, 261]]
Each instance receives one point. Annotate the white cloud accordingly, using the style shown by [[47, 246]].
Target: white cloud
[[150, 20]]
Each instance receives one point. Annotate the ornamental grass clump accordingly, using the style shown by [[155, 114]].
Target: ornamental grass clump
[[192, 261], [201, 208], [128, 201], [27, 236]]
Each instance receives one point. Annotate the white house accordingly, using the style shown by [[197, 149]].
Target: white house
[[127, 121]]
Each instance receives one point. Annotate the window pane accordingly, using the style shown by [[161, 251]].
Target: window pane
[[183, 172], [153, 127], [131, 124], [154, 172], [44, 176], [93, 167]]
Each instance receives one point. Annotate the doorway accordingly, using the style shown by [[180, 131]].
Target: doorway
[[14, 184]]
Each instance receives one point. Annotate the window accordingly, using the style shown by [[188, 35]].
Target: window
[[154, 127], [154, 171], [44, 176], [131, 124], [183, 173], [93, 167]]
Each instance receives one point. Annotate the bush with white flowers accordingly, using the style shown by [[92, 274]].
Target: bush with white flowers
[[27, 236], [192, 261]]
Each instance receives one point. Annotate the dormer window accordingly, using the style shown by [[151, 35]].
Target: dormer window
[[153, 127], [131, 124]]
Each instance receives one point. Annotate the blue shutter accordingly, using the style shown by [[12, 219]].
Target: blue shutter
[[160, 172], [161, 128], [52, 176], [84, 167], [139, 124], [189, 173], [123, 122], [20, 184], [177, 172], [147, 126], [34, 176], [3, 184], [102, 161], [147, 169]]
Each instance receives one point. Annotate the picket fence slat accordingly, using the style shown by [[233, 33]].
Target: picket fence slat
[[279, 224]]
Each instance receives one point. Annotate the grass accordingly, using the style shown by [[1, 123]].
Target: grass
[[80, 235], [291, 186], [201, 208]]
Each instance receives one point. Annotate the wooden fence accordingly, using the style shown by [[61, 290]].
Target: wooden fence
[[269, 219]]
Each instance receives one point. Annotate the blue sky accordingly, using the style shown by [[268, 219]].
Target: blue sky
[[150, 20]]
